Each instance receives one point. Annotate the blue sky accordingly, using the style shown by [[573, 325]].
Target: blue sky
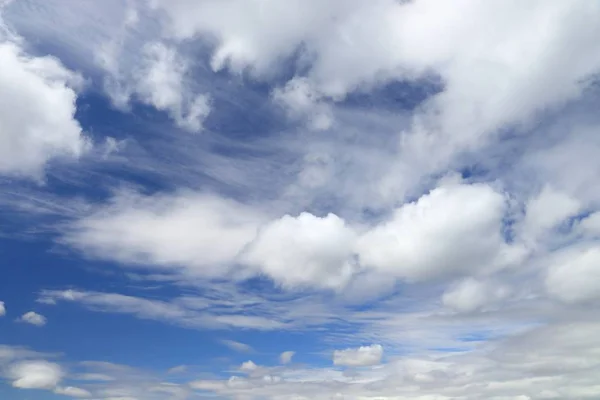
[[309, 199]]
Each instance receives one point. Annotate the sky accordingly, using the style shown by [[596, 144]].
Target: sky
[[300, 199]]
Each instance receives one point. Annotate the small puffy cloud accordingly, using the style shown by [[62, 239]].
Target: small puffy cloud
[[304, 250], [286, 357], [33, 318], [359, 357], [37, 112], [238, 346], [162, 82], [2, 309], [300, 100], [248, 366], [471, 295], [453, 230], [574, 275], [72, 391], [35, 375]]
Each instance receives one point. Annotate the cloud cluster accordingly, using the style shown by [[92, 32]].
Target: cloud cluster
[[37, 112], [454, 230], [361, 357], [461, 233], [532, 365]]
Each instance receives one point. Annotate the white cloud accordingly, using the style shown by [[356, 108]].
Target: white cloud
[[248, 366], [2, 309], [162, 82], [33, 318], [72, 391], [453, 230], [359, 357], [176, 311], [590, 226], [177, 370], [203, 233], [35, 375], [238, 346], [498, 63], [37, 108], [349, 44], [301, 101], [286, 357], [546, 210], [304, 250], [471, 295], [574, 275]]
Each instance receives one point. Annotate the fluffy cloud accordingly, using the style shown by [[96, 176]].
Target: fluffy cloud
[[590, 226], [2, 309], [546, 210], [349, 44], [359, 357], [201, 232], [301, 101], [248, 366], [35, 375], [161, 84], [453, 230], [573, 276], [286, 357], [33, 318], [497, 66], [304, 250], [37, 108], [470, 295]]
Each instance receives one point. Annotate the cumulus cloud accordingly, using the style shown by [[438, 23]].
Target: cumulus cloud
[[572, 276], [453, 230], [37, 112], [590, 226], [35, 375], [546, 210], [33, 318], [366, 216], [302, 250], [350, 44], [201, 232], [299, 99], [248, 366], [360, 357], [2, 309], [161, 84], [471, 295], [286, 357]]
